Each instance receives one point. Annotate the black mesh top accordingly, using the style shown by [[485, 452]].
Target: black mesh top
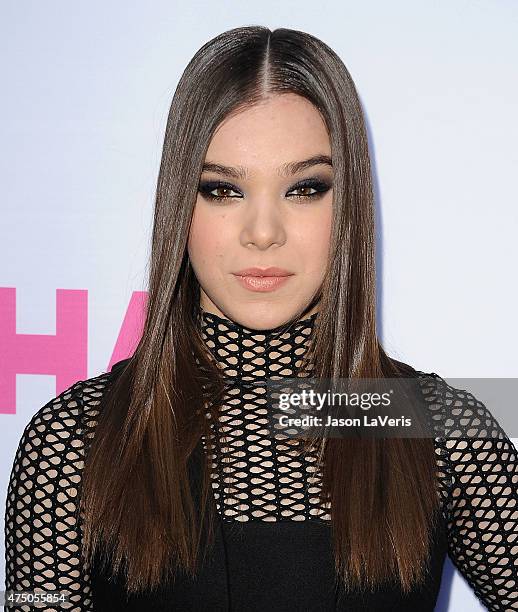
[[273, 537]]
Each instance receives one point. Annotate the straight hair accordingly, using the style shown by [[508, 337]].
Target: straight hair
[[137, 498]]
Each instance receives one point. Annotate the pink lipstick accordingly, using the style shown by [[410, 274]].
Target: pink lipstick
[[262, 279]]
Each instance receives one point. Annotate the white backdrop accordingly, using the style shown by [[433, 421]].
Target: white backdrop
[[86, 87]]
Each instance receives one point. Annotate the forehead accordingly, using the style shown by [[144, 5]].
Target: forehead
[[282, 128]]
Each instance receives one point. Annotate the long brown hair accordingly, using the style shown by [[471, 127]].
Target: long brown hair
[[136, 493]]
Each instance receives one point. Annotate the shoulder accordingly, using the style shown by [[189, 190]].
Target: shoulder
[[458, 417], [470, 442], [457, 412], [66, 411], [58, 430], [81, 399], [434, 393]]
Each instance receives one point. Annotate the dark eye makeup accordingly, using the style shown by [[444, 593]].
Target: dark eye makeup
[[314, 188]]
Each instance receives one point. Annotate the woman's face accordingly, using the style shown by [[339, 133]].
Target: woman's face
[[268, 213]]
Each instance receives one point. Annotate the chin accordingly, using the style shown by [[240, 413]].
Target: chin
[[262, 316]]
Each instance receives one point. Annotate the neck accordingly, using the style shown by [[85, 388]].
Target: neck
[[247, 354]]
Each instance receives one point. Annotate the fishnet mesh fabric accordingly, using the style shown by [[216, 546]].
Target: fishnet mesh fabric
[[42, 520], [257, 473], [259, 479], [478, 481]]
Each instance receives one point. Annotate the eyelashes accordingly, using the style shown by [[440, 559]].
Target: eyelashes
[[314, 188]]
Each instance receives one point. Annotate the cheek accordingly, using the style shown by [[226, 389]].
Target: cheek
[[314, 240], [206, 242]]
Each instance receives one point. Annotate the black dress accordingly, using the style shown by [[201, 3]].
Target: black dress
[[273, 547]]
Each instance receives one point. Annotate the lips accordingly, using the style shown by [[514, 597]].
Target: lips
[[269, 272], [262, 279]]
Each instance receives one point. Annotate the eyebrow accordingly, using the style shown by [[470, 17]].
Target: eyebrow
[[288, 169]]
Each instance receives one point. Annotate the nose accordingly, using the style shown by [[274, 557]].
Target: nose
[[263, 226]]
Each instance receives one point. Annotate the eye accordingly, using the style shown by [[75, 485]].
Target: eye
[[222, 189], [310, 189]]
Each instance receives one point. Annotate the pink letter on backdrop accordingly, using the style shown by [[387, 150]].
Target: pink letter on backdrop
[[63, 354], [131, 328]]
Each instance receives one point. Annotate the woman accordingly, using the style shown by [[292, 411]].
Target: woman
[[158, 485]]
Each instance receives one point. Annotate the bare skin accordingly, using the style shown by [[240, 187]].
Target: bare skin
[[265, 218]]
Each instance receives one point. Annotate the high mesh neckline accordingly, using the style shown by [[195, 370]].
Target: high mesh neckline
[[257, 474], [246, 354]]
